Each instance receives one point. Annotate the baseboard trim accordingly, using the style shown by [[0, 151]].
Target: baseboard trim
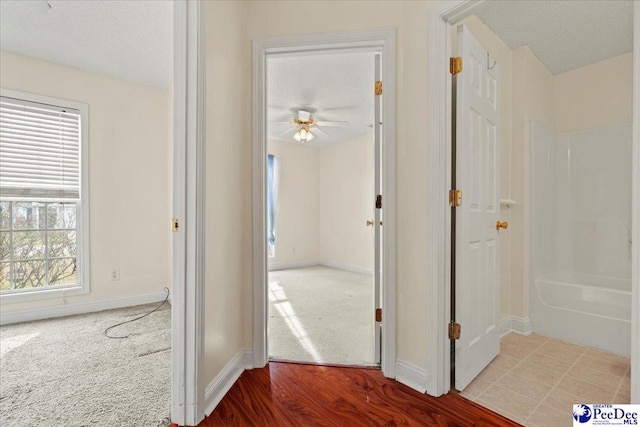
[[222, 383], [288, 265], [519, 325], [330, 264], [62, 310], [411, 376], [505, 326], [351, 268], [247, 359]]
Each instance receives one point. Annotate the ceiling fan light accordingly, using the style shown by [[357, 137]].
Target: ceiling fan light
[[303, 135]]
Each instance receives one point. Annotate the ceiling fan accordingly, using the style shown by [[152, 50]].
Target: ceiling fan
[[303, 124]]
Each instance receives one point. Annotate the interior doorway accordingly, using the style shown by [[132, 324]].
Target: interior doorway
[[446, 15], [309, 119], [323, 175]]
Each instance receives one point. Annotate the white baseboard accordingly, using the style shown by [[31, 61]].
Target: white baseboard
[[223, 382], [351, 268], [40, 313], [505, 326], [288, 265], [331, 264], [519, 325], [247, 359], [411, 375]]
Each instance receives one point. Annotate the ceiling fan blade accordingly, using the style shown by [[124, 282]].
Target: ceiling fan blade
[[285, 132], [321, 131], [334, 124], [280, 123]]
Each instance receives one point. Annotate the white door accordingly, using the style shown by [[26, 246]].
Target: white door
[[477, 262], [377, 216]]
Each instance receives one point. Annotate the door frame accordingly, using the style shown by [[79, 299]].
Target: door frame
[[187, 311], [441, 17], [383, 41]]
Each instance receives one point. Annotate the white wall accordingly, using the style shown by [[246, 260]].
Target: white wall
[[347, 202], [228, 189], [532, 99], [130, 181], [297, 213], [325, 197], [594, 96]]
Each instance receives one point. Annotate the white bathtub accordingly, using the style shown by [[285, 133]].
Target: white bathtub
[[590, 310]]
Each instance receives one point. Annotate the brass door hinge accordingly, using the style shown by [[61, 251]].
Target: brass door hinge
[[454, 331], [378, 89], [378, 315], [174, 224], [379, 201], [455, 65], [455, 198]]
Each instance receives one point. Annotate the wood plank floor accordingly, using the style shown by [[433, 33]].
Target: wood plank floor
[[286, 394]]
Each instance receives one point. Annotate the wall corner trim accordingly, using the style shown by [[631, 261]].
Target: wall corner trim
[[411, 376], [519, 325], [226, 378]]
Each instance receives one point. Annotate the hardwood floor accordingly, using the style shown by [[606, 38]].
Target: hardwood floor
[[286, 394]]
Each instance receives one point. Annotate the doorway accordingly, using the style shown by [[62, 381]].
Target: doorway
[[372, 43], [453, 13], [322, 240]]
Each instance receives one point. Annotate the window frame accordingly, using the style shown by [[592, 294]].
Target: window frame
[[82, 217]]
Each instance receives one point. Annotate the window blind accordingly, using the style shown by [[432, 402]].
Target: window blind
[[39, 150]]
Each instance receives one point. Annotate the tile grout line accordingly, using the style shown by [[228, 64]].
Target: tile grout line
[[556, 384], [620, 383], [507, 371]]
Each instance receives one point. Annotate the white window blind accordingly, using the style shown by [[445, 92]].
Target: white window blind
[[39, 150]]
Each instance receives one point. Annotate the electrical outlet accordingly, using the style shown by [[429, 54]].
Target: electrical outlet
[[115, 274]]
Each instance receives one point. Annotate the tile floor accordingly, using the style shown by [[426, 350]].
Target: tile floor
[[535, 380]]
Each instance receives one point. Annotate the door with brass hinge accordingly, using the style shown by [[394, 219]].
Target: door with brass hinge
[[377, 210], [477, 252]]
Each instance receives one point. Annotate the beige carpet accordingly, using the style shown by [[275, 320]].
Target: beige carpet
[[321, 315], [65, 372]]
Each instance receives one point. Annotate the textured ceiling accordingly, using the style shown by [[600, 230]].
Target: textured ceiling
[[132, 39], [564, 34], [333, 87]]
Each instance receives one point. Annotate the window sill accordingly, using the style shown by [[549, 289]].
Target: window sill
[[43, 294]]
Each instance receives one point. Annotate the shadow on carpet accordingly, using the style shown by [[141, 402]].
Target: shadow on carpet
[[65, 372]]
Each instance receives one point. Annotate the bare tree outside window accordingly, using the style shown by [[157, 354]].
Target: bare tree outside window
[[38, 244]]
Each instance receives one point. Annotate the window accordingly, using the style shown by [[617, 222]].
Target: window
[[273, 172], [43, 197]]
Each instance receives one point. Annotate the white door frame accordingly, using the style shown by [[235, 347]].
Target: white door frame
[[439, 183], [369, 40], [187, 311]]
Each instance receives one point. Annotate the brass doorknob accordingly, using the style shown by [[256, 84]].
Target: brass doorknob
[[369, 223], [500, 225]]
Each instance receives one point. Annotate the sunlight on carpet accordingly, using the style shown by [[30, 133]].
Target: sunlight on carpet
[[321, 315]]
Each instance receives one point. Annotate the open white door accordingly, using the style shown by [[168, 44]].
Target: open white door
[[477, 259], [377, 326]]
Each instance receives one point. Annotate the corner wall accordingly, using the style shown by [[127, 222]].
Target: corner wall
[[129, 154], [297, 206], [346, 203]]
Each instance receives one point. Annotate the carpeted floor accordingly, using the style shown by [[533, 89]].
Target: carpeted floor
[[321, 315], [65, 372]]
